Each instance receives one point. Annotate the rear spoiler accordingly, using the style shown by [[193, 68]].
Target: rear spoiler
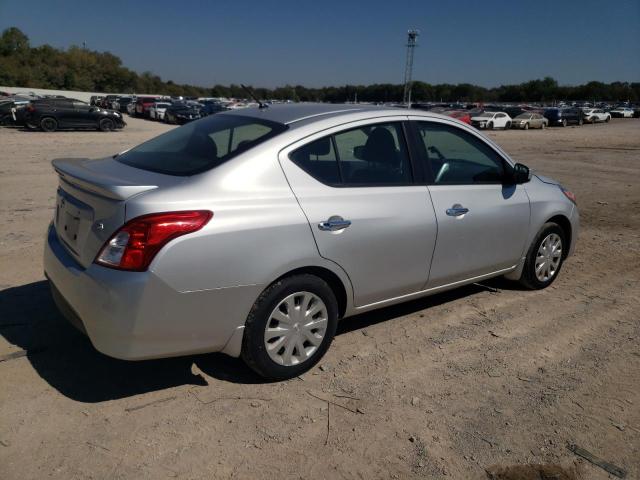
[[75, 172]]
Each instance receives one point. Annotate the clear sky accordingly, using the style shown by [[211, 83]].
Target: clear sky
[[334, 42]]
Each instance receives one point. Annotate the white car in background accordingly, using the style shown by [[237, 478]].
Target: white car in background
[[593, 115], [622, 112], [156, 112], [491, 120]]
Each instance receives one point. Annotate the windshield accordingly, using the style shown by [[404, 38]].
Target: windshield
[[202, 145], [524, 116], [487, 114]]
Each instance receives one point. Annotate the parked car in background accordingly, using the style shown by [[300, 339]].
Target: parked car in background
[[131, 107], [564, 116], [143, 104], [593, 115], [156, 111], [461, 115], [528, 120], [188, 254], [181, 113], [95, 100], [12, 110], [491, 120], [108, 101], [622, 112], [56, 114], [210, 107], [122, 103]]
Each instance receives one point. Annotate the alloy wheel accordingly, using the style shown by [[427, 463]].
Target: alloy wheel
[[296, 328], [548, 257]]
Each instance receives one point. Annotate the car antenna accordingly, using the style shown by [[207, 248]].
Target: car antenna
[[260, 103]]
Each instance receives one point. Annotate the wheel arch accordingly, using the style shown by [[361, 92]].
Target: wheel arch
[[333, 280], [565, 224]]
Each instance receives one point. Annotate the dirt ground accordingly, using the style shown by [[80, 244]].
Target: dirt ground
[[444, 387]]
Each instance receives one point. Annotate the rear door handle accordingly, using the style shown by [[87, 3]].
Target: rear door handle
[[334, 224], [457, 210]]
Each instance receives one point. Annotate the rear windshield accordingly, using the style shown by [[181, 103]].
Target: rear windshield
[[201, 145]]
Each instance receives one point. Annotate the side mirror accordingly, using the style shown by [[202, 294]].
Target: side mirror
[[520, 173]]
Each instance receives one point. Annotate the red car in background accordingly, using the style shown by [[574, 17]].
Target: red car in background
[[143, 104], [461, 115]]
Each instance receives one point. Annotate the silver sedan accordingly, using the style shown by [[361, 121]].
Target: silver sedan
[[253, 232]]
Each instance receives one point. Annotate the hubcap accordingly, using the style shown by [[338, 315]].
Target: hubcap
[[548, 257], [296, 328]]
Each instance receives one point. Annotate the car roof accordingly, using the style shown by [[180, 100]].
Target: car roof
[[303, 113]]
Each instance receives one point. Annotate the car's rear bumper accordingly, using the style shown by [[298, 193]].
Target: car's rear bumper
[[136, 315]]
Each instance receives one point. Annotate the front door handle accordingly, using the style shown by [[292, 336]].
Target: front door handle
[[457, 210], [334, 224]]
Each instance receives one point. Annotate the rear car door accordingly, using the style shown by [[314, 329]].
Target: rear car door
[[356, 186], [83, 114], [483, 223]]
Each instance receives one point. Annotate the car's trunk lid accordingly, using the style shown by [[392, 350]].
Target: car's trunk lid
[[91, 199]]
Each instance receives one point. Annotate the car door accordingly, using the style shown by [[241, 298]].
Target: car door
[[63, 112], [82, 114], [356, 186], [483, 223]]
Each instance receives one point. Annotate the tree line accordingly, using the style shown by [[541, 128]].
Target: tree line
[[77, 68]]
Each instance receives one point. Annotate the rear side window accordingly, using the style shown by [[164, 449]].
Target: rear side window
[[372, 155], [456, 157], [201, 145]]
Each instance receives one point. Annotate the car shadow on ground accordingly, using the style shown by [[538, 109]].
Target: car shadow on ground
[[66, 360]]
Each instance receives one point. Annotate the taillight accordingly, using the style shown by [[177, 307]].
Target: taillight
[[137, 242]]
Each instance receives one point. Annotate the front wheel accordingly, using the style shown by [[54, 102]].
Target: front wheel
[[507, 125], [490, 126], [290, 327], [606, 120], [106, 125], [526, 126], [544, 258]]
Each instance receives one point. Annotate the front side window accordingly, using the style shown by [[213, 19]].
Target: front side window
[[372, 155], [200, 146], [456, 157]]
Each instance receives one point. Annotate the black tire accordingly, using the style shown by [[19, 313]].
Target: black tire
[[490, 126], [529, 278], [48, 124], [254, 352], [106, 125], [544, 125], [564, 122], [606, 120], [526, 126], [507, 126], [580, 121]]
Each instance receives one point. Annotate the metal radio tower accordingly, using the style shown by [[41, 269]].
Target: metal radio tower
[[412, 40]]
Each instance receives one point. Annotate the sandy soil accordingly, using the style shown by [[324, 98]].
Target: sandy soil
[[439, 388]]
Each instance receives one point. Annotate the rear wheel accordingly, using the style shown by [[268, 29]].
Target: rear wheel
[[48, 124], [606, 120], [544, 125], [544, 258], [290, 327], [106, 125], [564, 122], [507, 126]]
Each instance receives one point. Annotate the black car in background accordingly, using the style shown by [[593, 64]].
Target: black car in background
[[181, 113], [122, 103], [210, 107], [67, 113], [564, 116]]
